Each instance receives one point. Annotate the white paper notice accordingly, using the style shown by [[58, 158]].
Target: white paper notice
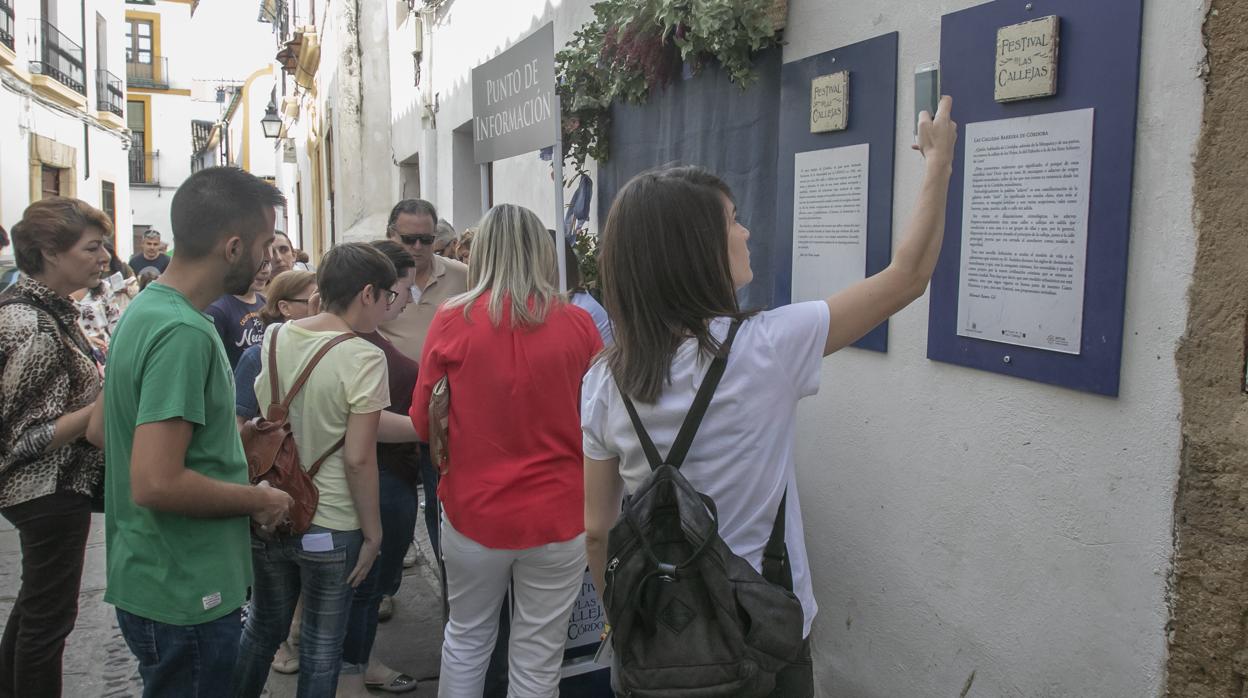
[[1025, 230], [829, 220]]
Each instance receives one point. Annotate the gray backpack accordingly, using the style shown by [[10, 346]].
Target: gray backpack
[[688, 616]]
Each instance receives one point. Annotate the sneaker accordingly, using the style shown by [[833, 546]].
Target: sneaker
[[385, 611], [409, 559]]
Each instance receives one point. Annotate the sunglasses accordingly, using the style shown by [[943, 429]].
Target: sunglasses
[[413, 239]]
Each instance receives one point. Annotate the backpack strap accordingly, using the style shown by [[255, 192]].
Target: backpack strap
[[273, 389], [304, 375], [701, 401], [776, 555], [316, 467]]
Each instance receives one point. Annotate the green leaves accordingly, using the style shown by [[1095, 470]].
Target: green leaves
[[633, 47]]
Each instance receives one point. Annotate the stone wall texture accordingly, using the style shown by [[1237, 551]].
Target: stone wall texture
[[1208, 637]]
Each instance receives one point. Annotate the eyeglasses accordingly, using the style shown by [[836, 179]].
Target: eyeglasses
[[391, 296], [298, 300], [422, 239]]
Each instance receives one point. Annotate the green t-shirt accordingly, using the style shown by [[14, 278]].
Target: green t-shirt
[[166, 362]]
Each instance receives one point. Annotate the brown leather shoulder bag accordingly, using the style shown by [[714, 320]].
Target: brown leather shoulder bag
[[273, 456]]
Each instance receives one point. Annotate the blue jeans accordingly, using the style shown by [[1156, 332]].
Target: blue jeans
[[433, 510], [283, 571], [398, 521], [191, 661]]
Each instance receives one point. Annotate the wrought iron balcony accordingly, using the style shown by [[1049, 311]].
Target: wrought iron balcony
[[60, 59], [144, 167], [109, 93], [153, 74], [6, 24]]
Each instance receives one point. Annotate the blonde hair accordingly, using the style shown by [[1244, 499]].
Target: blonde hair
[[284, 287], [513, 257]]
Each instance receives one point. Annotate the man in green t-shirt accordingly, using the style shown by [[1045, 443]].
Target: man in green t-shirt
[[176, 486]]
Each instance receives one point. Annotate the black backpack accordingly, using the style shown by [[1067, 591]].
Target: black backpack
[[688, 616]]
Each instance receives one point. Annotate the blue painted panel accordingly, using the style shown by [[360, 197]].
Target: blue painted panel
[[872, 66], [1099, 54], [708, 120]]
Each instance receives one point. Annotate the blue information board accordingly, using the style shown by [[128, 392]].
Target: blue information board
[[872, 66], [1099, 58]]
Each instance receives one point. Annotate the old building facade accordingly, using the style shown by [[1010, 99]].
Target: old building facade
[[62, 110]]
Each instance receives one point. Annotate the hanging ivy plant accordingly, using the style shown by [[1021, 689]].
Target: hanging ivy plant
[[634, 47]]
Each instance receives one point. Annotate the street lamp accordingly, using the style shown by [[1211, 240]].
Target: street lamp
[[271, 123]]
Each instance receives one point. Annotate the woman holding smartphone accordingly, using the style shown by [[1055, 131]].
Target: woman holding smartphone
[[673, 256]]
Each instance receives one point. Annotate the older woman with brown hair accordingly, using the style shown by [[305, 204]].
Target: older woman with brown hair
[[49, 383]]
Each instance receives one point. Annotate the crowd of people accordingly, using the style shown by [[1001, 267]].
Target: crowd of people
[[128, 397]]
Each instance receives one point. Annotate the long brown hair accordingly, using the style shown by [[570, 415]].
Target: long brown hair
[[664, 272]]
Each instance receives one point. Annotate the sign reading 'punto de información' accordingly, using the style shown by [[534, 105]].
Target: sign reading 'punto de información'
[[514, 108]]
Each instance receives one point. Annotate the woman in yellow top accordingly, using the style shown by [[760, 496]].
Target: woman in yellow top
[[336, 413]]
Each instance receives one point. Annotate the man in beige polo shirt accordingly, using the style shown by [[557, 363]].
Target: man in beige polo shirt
[[413, 223]]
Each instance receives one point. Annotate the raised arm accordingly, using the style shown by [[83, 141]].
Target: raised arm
[[859, 308]]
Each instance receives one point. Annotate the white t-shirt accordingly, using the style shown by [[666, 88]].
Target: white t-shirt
[[742, 456]]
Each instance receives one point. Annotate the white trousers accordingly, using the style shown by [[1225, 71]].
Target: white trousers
[[545, 582]]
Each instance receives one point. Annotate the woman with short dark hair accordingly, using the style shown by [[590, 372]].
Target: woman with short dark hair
[[49, 382], [673, 255], [398, 472], [334, 420]]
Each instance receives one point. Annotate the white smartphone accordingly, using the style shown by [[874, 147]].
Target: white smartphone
[[926, 91]]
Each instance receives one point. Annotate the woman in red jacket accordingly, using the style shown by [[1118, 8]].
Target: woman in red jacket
[[514, 352]]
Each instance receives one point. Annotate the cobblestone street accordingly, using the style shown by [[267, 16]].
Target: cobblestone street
[[99, 665]]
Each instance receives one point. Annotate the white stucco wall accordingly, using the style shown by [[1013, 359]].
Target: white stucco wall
[[960, 521], [407, 124], [14, 154]]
